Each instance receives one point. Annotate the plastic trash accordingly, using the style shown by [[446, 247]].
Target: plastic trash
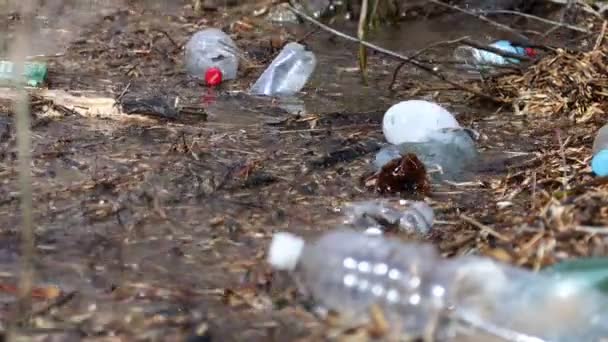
[[212, 55], [591, 272], [479, 58], [449, 153], [375, 217], [460, 299], [282, 14], [288, 72], [35, 73], [599, 162], [413, 120]]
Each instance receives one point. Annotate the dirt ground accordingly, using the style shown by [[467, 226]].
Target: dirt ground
[[156, 228]]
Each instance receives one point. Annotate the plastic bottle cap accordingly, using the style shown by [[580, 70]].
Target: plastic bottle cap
[[285, 250], [530, 52], [213, 77], [599, 163]]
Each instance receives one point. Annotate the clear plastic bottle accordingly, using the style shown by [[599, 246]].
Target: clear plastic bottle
[[288, 72], [348, 272], [209, 50], [461, 299], [479, 58], [449, 152], [375, 216], [599, 162]]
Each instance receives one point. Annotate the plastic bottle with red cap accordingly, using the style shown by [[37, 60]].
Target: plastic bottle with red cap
[[211, 55], [480, 59]]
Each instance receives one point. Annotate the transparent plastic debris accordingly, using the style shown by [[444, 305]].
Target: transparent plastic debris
[[448, 153], [599, 162], [420, 294], [591, 272], [317, 7], [413, 120], [34, 73], [282, 14], [378, 216], [211, 48], [288, 72], [480, 59], [385, 155], [292, 105]]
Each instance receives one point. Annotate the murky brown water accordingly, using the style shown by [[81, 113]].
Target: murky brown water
[[148, 219]]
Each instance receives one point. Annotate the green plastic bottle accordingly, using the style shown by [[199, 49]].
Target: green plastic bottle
[[35, 73], [592, 272]]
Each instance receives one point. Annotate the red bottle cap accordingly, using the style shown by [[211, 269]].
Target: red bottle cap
[[530, 52], [213, 77]]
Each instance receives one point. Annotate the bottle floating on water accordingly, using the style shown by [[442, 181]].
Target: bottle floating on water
[[465, 298], [288, 72]]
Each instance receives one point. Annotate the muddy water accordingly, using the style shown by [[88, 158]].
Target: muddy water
[[149, 217]]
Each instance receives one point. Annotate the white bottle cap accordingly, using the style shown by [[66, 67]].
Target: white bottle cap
[[285, 250]]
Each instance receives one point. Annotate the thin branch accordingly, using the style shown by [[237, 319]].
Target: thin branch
[[361, 33], [418, 53], [482, 18], [411, 61], [537, 18], [600, 37], [489, 230]]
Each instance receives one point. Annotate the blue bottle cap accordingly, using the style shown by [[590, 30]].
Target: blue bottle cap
[[599, 163]]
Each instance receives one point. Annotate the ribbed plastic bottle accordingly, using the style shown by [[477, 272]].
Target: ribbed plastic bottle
[[599, 162], [211, 55], [348, 272], [460, 299]]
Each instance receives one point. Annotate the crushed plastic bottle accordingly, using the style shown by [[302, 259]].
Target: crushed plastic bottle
[[212, 55], [449, 152], [599, 162], [413, 120], [479, 59], [461, 299], [374, 217], [288, 72]]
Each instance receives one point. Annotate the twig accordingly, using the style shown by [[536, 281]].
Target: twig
[[585, 6], [591, 230], [122, 94], [418, 53], [546, 21], [308, 35], [177, 46], [61, 301], [484, 228], [417, 64], [600, 37], [562, 152], [361, 33], [482, 18]]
